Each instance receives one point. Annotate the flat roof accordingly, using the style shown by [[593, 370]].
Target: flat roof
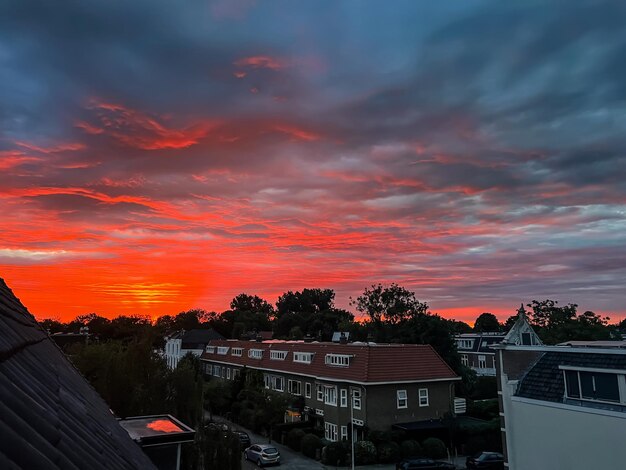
[[157, 429]]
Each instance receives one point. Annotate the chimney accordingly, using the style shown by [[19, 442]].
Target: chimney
[[343, 339]]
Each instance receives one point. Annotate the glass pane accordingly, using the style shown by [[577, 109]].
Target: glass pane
[[571, 377], [606, 387], [586, 384]]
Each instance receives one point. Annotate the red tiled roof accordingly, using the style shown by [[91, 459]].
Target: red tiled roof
[[374, 363]]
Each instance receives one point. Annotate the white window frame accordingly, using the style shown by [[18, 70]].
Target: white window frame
[[356, 398], [216, 371], [307, 389], [294, 384], [402, 399], [465, 343], [278, 355], [222, 350], [210, 349], [621, 384], [344, 433], [330, 395], [276, 380], [236, 352], [330, 431], [422, 394], [303, 357], [337, 360], [267, 381], [255, 353], [319, 389], [228, 373], [482, 361], [343, 398], [464, 359]]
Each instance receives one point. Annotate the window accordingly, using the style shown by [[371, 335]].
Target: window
[[330, 395], [223, 372], [402, 400], [236, 352], [209, 369], [356, 399], [344, 433], [342, 360], [278, 355], [210, 349], [236, 373], [588, 385], [267, 381], [464, 359], [320, 392], [423, 396], [294, 387], [330, 432], [304, 358], [465, 343], [223, 350], [278, 383], [228, 373], [343, 398], [216, 371], [307, 389], [526, 339], [482, 362], [255, 353]]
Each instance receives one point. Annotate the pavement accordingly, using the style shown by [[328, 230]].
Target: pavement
[[292, 460]]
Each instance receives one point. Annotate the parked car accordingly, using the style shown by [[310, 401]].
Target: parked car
[[262, 454], [418, 463], [244, 439], [485, 460]]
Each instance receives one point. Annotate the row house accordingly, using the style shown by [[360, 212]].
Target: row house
[[476, 352], [369, 385], [184, 342], [561, 407]]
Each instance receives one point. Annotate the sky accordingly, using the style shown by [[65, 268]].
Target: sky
[[157, 156]]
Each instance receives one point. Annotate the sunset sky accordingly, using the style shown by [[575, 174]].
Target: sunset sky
[[157, 155]]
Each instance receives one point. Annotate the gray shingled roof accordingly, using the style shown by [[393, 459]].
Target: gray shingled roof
[[199, 338], [544, 381], [50, 417]]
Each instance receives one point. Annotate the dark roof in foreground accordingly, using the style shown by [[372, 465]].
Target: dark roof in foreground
[[50, 417], [544, 381], [369, 363]]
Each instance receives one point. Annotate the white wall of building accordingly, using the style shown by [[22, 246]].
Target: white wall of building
[[545, 435], [173, 352]]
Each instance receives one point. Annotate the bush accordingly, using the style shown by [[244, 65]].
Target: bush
[[475, 444], [294, 438], [335, 453], [378, 437], [364, 453], [410, 448], [388, 452], [434, 448], [309, 445]]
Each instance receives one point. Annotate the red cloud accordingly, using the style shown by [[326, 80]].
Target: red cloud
[[136, 129], [13, 158], [262, 62]]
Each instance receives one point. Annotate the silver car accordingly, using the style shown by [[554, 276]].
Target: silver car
[[262, 454]]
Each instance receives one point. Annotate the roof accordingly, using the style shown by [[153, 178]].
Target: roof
[[368, 363], [50, 417], [595, 344], [482, 342], [199, 338], [544, 381]]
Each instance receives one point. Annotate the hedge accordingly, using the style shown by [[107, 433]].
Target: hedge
[[309, 445]]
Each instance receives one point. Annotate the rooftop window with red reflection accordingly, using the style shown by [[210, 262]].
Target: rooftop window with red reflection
[[145, 427]]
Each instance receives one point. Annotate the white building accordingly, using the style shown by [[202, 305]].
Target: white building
[[183, 342], [561, 407]]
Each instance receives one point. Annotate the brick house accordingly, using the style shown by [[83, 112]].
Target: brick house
[[375, 385]]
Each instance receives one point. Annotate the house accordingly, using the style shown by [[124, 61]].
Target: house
[[50, 417], [561, 407], [183, 342], [367, 384], [476, 353]]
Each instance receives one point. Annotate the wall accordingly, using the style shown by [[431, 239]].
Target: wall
[[543, 436]]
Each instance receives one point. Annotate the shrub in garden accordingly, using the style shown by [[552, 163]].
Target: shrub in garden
[[388, 452], [335, 453], [309, 445], [410, 448], [294, 438], [364, 453], [434, 448]]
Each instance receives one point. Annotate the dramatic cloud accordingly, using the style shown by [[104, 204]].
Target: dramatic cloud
[[157, 157]]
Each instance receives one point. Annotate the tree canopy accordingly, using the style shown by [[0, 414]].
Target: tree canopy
[[487, 322]]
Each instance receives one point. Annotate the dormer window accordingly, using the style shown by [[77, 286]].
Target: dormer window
[[278, 355], [302, 357], [223, 350], [210, 349], [341, 360], [255, 353], [236, 352], [465, 343], [594, 385]]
